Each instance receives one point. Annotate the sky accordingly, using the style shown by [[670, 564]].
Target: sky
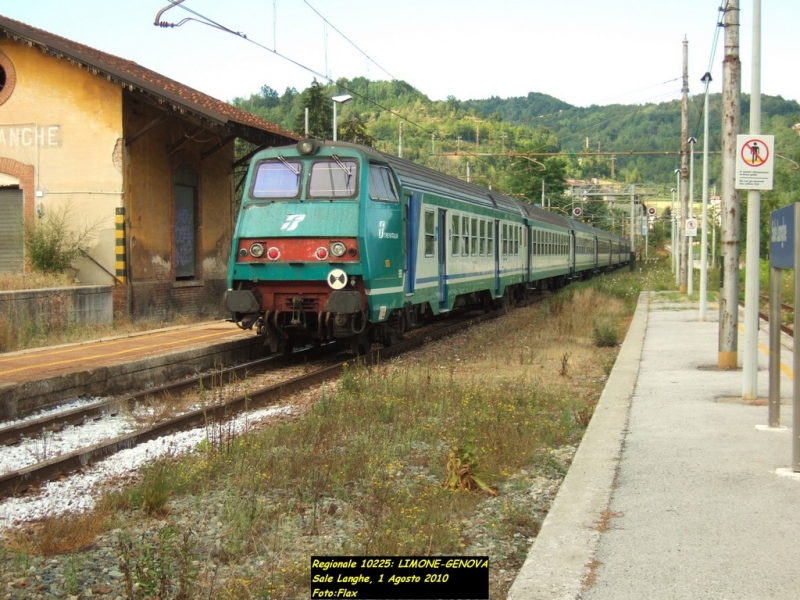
[[584, 52]]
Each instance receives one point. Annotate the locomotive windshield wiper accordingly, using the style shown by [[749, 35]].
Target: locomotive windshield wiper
[[288, 165], [342, 166]]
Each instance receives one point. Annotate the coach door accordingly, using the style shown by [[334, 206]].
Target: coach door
[[442, 247], [573, 247], [528, 269], [497, 246], [413, 225]]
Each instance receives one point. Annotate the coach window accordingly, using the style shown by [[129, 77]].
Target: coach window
[[482, 250], [430, 235], [333, 178], [465, 236], [456, 235], [504, 240], [381, 187], [490, 238], [474, 232]]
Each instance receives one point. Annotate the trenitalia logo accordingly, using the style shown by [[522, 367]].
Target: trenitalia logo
[[292, 221], [382, 233]]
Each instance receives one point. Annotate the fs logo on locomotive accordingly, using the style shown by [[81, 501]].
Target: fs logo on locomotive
[[382, 233], [292, 221]]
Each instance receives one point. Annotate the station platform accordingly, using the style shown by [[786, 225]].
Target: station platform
[[35, 379], [678, 489]]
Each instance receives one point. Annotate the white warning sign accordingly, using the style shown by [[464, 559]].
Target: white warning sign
[[755, 159]]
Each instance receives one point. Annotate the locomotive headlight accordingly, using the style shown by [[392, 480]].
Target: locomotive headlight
[[338, 249], [321, 253], [257, 250], [273, 253], [307, 146]]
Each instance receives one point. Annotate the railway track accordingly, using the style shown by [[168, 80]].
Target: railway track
[[18, 481], [787, 307]]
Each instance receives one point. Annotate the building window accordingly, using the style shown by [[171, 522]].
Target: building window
[[8, 78], [186, 222]]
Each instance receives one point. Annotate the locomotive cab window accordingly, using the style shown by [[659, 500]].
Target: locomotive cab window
[[381, 187], [275, 179], [333, 178]]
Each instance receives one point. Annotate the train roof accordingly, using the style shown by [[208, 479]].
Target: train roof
[[430, 180]]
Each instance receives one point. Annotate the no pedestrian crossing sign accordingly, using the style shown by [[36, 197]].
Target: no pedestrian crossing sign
[[755, 159], [691, 227]]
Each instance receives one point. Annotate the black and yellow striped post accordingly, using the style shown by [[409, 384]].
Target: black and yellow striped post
[[119, 246]]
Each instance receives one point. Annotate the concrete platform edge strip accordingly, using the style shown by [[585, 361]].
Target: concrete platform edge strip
[[560, 558]]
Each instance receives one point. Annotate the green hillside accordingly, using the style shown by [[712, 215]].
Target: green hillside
[[517, 145]]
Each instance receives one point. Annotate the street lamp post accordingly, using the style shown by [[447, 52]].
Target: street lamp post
[[343, 99], [704, 232], [690, 266], [679, 231]]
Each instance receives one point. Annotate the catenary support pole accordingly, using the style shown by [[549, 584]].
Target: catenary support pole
[[684, 187], [730, 230], [752, 267]]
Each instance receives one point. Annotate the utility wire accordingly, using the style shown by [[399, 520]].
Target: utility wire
[[720, 24], [207, 21], [336, 29]]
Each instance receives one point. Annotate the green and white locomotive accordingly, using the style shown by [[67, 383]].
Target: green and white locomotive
[[340, 241]]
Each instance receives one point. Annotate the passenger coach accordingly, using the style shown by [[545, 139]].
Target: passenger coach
[[336, 240]]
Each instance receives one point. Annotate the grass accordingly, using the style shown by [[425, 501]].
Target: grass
[[405, 458]]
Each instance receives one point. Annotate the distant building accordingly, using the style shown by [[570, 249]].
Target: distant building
[[149, 160]]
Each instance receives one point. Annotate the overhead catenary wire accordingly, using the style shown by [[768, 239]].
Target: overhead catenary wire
[[201, 18]]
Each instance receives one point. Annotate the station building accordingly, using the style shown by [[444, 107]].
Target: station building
[[145, 162]]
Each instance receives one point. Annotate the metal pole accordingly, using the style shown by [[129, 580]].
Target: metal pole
[[684, 166], [774, 347], [672, 229], [691, 239], [752, 268], [334, 120], [633, 197], [731, 116], [796, 353], [678, 232], [704, 235]]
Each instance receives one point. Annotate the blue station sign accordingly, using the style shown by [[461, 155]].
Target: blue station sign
[[781, 238]]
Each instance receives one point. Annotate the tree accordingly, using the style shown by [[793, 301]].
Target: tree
[[354, 130], [320, 119]]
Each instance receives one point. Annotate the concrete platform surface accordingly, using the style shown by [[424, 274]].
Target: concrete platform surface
[[678, 490], [35, 379]]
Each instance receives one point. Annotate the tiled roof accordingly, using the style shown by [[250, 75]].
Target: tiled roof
[[135, 77]]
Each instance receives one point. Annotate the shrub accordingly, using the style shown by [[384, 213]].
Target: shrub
[[53, 244], [604, 333]]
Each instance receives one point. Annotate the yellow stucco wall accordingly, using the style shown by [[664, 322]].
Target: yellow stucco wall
[[70, 125], [67, 124]]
